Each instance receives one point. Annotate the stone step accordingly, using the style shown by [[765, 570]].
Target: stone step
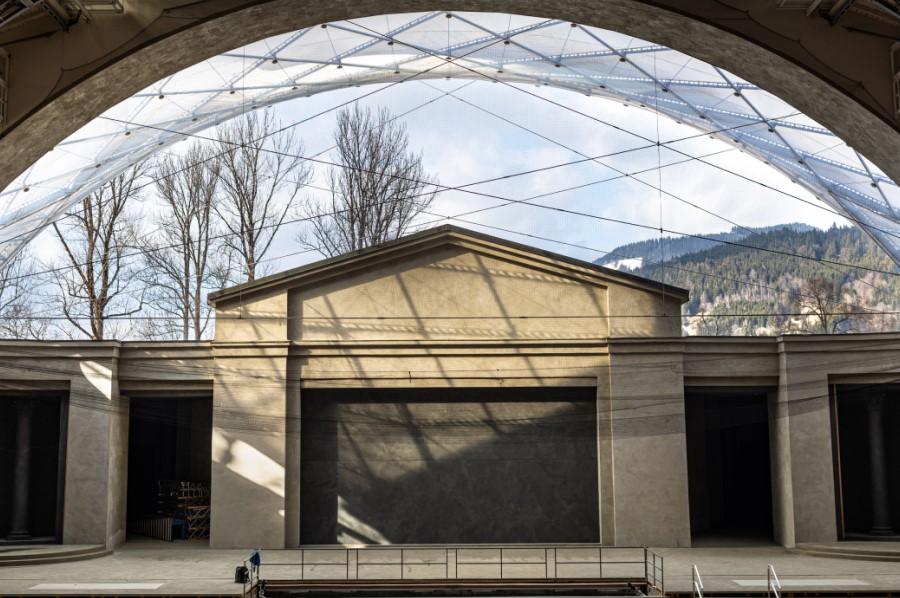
[[862, 551], [44, 555]]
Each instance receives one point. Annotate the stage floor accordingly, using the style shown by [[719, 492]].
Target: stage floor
[[149, 567]]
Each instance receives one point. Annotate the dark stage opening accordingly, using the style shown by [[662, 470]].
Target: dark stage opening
[[169, 462], [461, 465], [865, 419], [729, 471], [44, 459]]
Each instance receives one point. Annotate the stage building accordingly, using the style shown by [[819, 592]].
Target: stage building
[[451, 387]]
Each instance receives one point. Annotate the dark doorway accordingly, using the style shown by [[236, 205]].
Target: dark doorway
[[46, 420], [729, 471], [464, 465], [169, 440], [856, 409]]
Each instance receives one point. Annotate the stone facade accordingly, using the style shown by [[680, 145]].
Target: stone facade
[[442, 318]]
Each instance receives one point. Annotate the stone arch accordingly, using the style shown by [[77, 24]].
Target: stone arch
[[86, 97], [106, 83]]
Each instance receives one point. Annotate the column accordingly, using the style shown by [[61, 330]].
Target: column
[[881, 516], [21, 474]]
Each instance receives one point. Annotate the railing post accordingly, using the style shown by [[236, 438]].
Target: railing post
[[773, 586], [646, 578], [662, 576]]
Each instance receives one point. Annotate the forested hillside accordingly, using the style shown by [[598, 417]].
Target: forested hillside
[[756, 285], [634, 255]]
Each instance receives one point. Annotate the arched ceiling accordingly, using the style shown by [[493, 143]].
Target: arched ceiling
[[542, 51]]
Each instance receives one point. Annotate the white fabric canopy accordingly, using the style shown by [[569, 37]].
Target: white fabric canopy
[[392, 48]]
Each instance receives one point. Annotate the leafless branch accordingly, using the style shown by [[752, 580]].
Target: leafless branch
[[375, 195]]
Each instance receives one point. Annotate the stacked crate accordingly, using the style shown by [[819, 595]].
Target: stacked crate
[[188, 501]]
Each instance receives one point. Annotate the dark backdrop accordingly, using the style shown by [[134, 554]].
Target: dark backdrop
[[463, 465]]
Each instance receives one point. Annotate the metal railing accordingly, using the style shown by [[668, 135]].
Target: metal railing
[[773, 586], [653, 572], [696, 583], [472, 562]]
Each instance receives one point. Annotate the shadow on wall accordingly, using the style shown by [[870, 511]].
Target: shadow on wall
[[462, 465]]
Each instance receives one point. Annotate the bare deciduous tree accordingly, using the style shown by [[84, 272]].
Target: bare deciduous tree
[[829, 310], [261, 171], [376, 193], [97, 283], [20, 316], [182, 260]]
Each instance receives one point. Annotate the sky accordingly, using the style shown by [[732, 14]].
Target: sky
[[472, 131], [478, 131]]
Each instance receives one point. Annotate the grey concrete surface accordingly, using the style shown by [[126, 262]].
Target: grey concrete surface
[[191, 567]]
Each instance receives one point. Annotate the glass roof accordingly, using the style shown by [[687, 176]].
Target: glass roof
[[395, 48]]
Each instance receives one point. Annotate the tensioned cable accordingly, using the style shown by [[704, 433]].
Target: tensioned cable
[[659, 184], [735, 280], [439, 217], [309, 118], [596, 119], [852, 266], [464, 189], [443, 217], [484, 181], [587, 116], [815, 204], [635, 134], [632, 175], [257, 420]]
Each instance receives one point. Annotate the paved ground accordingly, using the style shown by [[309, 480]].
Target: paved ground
[[188, 567], [744, 569]]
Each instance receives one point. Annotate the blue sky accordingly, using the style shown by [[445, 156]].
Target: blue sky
[[462, 144]]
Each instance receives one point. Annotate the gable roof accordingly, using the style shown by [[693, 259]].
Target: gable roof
[[433, 237]]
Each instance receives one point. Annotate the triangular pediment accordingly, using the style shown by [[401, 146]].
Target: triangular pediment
[[444, 235], [446, 284]]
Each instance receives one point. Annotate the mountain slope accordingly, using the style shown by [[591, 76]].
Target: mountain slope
[[759, 287], [635, 255]]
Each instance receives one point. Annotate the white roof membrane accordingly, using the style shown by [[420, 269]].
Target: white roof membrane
[[509, 48]]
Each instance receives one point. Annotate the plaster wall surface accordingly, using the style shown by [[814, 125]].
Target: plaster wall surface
[[261, 317], [638, 385], [449, 293], [637, 313], [648, 441], [248, 447], [161, 366], [808, 366], [95, 466]]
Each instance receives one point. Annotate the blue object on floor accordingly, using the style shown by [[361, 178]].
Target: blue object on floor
[[179, 529]]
